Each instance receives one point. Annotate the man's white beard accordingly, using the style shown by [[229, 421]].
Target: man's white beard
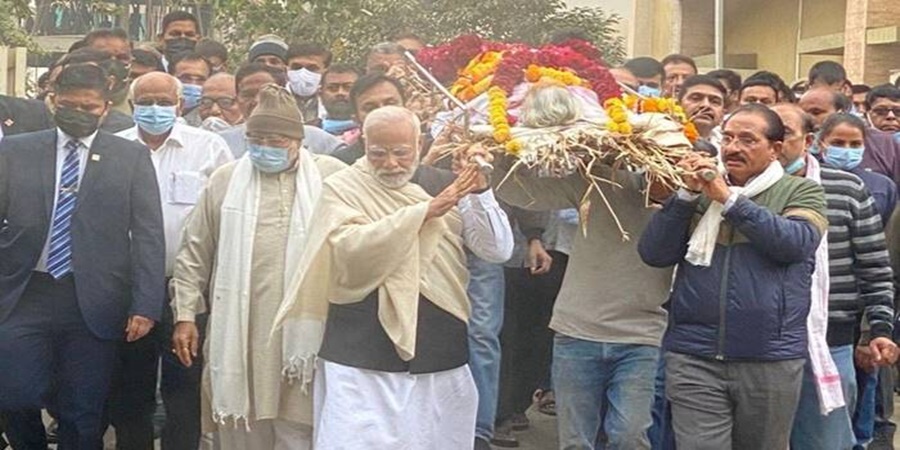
[[396, 179]]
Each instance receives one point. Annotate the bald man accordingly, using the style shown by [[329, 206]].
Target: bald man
[[218, 107], [821, 102], [184, 157]]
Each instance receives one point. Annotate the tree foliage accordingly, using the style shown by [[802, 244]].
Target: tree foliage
[[12, 34], [350, 27]]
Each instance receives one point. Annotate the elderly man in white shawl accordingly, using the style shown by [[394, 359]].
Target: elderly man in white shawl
[[384, 272], [242, 245]]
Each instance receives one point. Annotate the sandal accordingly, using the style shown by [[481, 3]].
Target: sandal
[[545, 402]]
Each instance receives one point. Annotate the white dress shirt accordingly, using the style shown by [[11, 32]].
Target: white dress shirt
[[486, 230], [183, 163], [61, 140]]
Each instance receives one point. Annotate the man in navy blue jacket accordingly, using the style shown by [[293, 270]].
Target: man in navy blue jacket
[[82, 263], [736, 340]]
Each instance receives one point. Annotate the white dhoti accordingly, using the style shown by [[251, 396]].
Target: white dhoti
[[365, 409], [265, 434]]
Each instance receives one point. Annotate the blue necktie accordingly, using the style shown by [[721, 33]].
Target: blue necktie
[[59, 258]]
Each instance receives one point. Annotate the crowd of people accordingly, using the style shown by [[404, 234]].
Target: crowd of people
[[261, 250]]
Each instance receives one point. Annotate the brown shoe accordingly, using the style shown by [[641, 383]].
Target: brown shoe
[[503, 437]]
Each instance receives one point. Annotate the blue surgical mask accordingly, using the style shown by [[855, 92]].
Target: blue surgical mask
[[843, 157], [332, 126], [155, 119], [268, 159], [795, 166], [648, 91], [191, 95]]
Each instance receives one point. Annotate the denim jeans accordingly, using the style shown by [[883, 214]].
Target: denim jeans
[[486, 294], [592, 377], [864, 417], [662, 436], [812, 430]]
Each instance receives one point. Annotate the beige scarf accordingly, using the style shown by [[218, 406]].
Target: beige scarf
[[368, 237], [230, 315]]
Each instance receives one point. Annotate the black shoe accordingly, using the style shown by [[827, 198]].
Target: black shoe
[[481, 444]]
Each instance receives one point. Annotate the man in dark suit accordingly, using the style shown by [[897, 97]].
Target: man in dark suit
[[82, 263], [18, 115]]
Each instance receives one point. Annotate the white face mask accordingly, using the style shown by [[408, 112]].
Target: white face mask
[[304, 83], [215, 124]]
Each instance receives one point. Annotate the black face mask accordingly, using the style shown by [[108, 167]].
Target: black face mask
[[76, 123], [177, 47]]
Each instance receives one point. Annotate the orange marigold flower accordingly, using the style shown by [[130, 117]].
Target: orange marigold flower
[[533, 73], [650, 106], [690, 132]]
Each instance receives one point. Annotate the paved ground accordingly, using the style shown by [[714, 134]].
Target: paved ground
[[542, 434]]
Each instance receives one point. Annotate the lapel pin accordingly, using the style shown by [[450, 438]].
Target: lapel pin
[[95, 157], [8, 122]]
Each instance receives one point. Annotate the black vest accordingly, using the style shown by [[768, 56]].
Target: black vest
[[354, 337]]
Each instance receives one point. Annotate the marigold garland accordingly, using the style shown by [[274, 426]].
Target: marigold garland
[[497, 114], [617, 109], [513, 147], [535, 73]]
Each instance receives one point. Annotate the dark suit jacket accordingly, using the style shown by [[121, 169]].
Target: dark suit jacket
[[118, 246], [18, 115]]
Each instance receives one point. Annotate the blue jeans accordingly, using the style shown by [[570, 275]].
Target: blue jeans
[[814, 431], [486, 293], [592, 377], [662, 436], [864, 418]]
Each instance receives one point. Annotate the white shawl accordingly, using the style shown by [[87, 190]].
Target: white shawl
[[828, 379], [229, 318], [703, 241]]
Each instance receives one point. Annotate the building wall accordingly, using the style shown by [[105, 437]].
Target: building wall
[[821, 17], [770, 29], [754, 27]]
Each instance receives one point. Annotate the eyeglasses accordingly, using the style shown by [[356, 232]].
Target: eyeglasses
[[223, 102], [400, 152], [270, 141], [883, 111], [745, 142]]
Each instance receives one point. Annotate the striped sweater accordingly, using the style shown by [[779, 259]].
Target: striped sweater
[[859, 265]]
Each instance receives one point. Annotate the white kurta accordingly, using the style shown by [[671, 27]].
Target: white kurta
[[369, 409], [271, 398]]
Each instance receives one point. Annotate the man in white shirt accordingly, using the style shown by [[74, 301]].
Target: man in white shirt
[[184, 157]]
